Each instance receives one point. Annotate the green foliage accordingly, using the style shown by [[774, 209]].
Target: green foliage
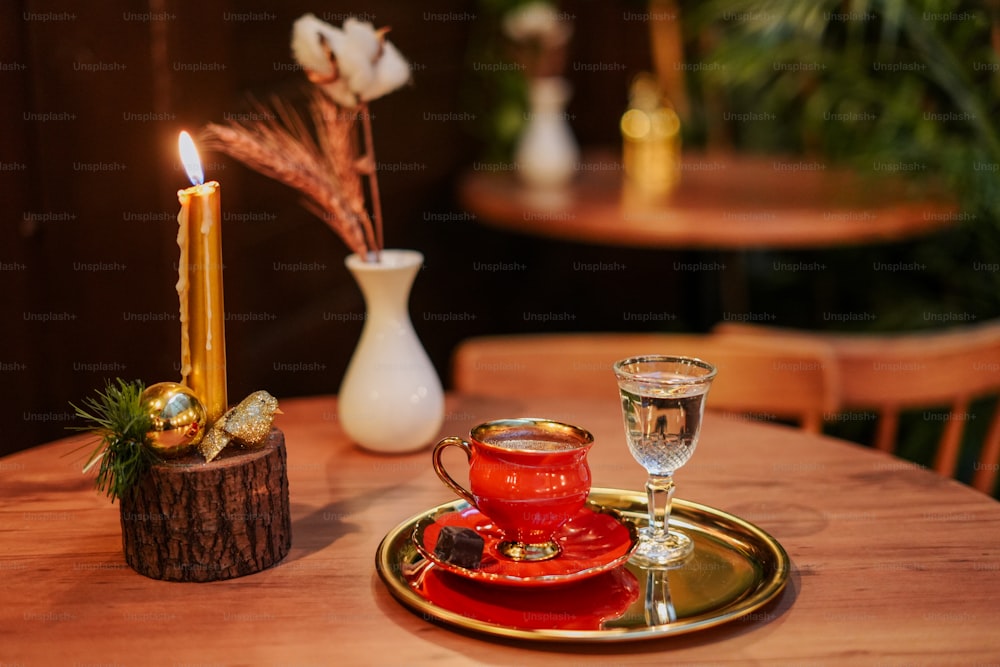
[[872, 84], [497, 91], [868, 83], [898, 65], [117, 418]]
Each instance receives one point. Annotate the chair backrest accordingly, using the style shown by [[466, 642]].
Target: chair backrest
[[756, 377], [888, 373]]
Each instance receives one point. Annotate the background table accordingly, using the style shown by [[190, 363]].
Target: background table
[[724, 202], [891, 564], [727, 203]]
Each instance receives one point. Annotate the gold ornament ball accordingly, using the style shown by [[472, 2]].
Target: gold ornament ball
[[178, 418]]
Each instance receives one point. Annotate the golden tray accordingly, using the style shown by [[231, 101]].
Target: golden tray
[[736, 569]]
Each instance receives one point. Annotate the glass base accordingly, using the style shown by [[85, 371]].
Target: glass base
[[671, 552], [522, 551]]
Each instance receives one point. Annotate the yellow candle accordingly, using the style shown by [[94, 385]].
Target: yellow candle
[[199, 286]]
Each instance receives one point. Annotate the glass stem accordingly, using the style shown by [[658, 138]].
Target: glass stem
[[659, 493]]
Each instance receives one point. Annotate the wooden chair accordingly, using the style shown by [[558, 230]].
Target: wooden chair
[[755, 377], [889, 373]]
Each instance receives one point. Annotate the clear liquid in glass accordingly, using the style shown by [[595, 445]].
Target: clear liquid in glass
[[662, 424]]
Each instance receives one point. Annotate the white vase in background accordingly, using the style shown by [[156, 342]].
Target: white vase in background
[[547, 153], [391, 398]]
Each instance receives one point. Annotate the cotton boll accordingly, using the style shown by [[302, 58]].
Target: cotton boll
[[363, 38], [350, 65], [391, 72], [307, 47], [536, 21], [357, 55]]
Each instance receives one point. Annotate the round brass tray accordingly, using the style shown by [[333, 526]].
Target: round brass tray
[[736, 569]]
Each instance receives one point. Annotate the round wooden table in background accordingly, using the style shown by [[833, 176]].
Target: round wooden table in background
[[891, 564], [724, 201]]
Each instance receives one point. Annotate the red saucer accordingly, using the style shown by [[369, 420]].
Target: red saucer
[[594, 541]]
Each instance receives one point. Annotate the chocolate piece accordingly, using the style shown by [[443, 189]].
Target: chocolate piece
[[461, 547]]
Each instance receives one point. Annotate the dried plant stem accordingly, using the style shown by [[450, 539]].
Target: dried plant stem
[[338, 141], [366, 124], [325, 168]]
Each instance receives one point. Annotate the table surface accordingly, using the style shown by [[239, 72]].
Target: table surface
[[890, 564], [724, 201]]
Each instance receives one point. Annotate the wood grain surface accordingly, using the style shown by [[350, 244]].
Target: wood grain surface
[[891, 564]]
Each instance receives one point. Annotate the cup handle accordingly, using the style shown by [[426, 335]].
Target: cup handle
[[452, 441]]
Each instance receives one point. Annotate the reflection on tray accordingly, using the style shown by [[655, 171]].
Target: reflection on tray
[[582, 605], [606, 601], [736, 568]]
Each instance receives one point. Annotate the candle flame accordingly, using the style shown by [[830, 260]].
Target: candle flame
[[189, 156]]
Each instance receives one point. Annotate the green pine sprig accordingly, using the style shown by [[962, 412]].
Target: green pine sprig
[[117, 418]]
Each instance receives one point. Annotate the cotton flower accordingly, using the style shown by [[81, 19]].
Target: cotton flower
[[352, 65], [537, 21]]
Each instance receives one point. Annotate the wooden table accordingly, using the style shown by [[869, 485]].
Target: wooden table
[[724, 202], [891, 564]]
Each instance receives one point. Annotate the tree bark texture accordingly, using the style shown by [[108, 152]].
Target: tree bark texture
[[188, 520]]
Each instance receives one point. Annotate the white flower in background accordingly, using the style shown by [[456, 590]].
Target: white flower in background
[[537, 21], [353, 65]]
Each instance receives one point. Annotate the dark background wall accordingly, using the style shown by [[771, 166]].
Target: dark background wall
[[93, 97]]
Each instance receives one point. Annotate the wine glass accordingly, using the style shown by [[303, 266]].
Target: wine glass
[[663, 400]]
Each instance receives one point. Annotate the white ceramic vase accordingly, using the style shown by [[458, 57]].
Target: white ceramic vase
[[547, 152], [391, 398]]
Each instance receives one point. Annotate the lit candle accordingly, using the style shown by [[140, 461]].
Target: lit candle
[[199, 286]]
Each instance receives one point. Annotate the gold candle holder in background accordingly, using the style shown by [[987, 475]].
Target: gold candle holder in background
[[651, 140]]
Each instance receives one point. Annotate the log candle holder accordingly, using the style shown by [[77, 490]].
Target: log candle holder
[[188, 520]]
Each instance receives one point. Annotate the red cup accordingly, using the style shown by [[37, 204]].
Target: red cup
[[529, 476]]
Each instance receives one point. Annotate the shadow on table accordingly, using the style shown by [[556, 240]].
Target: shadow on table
[[323, 526]]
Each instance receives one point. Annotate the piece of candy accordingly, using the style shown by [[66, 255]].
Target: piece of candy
[[461, 547]]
